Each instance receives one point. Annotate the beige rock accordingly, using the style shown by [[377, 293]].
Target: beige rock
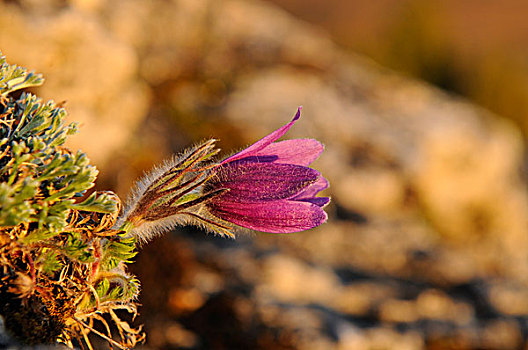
[[84, 66], [394, 310], [360, 298], [291, 280], [502, 334], [379, 338], [509, 298], [434, 304]]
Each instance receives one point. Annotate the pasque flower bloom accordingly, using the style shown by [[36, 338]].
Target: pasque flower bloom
[[270, 187], [266, 187]]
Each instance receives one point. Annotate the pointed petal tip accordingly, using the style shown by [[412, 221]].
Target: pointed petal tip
[[309, 193], [324, 218], [294, 151], [265, 141], [298, 114], [319, 201]]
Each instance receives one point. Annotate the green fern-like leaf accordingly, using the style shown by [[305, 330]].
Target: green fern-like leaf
[[14, 78], [61, 240]]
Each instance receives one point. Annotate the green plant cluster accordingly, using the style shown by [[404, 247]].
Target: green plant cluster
[[39, 179], [58, 246]]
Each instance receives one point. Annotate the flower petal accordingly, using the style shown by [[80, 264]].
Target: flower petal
[[250, 182], [308, 194], [262, 143], [319, 201], [296, 151], [312, 189], [281, 216]]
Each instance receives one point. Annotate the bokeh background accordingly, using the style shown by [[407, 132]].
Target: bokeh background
[[422, 106]]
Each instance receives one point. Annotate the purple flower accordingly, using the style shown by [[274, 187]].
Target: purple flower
[[266, 187], [269, 187]]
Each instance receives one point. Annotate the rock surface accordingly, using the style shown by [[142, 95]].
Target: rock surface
[[426, 246]]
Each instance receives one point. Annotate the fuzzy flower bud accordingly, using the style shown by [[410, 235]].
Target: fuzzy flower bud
[[266, 187]]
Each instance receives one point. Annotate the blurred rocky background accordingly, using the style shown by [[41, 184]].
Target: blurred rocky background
[[427, 241]]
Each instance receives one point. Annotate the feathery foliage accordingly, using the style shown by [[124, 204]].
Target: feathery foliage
[[62, 266]]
